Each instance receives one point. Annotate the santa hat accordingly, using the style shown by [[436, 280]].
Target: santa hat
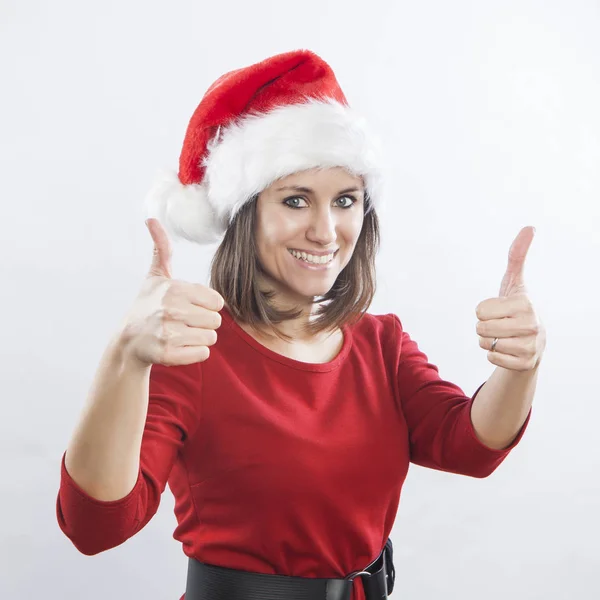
[[254, 126]]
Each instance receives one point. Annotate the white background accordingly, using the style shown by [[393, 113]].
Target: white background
[[489, 115]]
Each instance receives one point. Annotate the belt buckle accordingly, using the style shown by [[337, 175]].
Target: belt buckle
[[355, 574]]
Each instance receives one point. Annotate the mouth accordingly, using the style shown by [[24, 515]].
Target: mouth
[[313, 259]]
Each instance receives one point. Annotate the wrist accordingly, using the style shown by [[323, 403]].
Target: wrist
[[123, 354]]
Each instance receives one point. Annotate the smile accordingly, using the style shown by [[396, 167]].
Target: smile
[[312, 258]]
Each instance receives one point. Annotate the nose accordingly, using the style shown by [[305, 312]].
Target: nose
[[322, 229]]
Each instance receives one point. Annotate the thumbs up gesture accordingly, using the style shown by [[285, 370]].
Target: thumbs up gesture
[[171, 322], [508, 325]]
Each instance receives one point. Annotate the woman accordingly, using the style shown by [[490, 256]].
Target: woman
[[286, 438]]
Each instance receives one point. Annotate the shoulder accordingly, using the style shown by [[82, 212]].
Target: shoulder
[[384, 328], [377, 323]]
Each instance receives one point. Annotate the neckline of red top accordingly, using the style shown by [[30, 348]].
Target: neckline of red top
[[285, 360]]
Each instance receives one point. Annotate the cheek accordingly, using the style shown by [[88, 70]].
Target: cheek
[[272, 233], [276, 230], [352, 228], [350, 232]]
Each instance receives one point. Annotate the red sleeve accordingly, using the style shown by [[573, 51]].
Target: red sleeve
[[438, 416], [94, 525]]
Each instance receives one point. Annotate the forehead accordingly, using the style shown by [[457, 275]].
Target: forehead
[[336, 177]]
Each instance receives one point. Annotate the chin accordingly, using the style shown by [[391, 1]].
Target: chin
[[303, 287]]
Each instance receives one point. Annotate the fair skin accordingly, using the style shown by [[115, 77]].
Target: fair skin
[[503, 403], [318, 212]]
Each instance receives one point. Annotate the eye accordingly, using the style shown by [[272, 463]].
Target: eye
[[342, 201], [294, 201], [351, 200]]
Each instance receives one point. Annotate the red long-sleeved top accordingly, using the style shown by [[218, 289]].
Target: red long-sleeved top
[[280, 466]]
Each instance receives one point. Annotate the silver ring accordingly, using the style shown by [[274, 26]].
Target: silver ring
[[494, 344]]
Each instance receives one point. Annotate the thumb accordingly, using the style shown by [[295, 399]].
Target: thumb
[[514, 278], [161, 258]]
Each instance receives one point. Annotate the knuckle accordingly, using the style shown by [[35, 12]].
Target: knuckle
[[527, 303], [166, 337], [167, 359], [160, 335], [164, 313], [524, 351], [163, 341], [171, 312], [173, 291]]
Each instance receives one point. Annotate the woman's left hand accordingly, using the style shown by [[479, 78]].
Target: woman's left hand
[[511, 317]]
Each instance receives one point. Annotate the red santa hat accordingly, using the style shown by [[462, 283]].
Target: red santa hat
[[254, 126]]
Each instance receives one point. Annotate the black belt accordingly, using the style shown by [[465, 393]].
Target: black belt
[[210, 582]]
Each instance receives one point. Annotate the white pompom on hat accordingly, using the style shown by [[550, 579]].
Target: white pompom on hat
[[254, 126]]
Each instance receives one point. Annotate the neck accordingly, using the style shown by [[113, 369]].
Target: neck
[[295, 329], [284, 299]]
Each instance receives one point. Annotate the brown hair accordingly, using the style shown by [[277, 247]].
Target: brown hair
[[235, 267]]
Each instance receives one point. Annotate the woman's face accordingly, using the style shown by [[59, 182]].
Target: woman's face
[[308, 224]]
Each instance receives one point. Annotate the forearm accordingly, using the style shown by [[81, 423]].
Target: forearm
[[502, 405], [104, 453]]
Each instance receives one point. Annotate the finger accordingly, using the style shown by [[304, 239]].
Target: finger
[[204, 318], [522, 347], [518, 251], [161, 258], [508, 327], [514, 277], [193, 315], [206, 297], [198, 336], [178, 335], [185, 355], [500, 308]]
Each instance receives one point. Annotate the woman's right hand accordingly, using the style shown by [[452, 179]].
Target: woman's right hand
[[171, 322]]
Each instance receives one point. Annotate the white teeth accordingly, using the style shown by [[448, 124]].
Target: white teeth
[[310, 258]]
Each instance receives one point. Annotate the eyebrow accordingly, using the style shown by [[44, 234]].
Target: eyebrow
[[306, 190]]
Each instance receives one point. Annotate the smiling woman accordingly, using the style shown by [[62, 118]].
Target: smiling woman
[[287, 436]]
